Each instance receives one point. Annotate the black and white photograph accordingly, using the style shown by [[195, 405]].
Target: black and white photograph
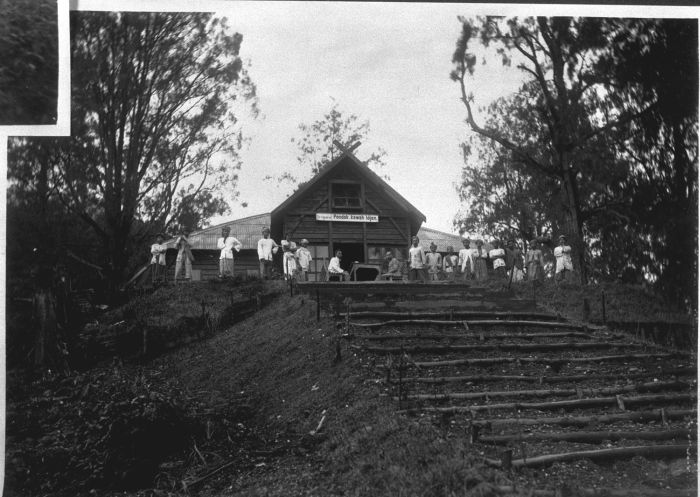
[[29, 67], [350, 249]]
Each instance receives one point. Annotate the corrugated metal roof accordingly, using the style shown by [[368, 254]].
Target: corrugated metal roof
[[440, 238], [247, 230]]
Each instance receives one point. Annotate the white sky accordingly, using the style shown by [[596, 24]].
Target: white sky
[[388, 63]]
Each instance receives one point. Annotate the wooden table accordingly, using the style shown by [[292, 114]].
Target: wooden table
[[356, 266]]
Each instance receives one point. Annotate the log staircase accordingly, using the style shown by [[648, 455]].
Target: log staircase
[[528, 388]]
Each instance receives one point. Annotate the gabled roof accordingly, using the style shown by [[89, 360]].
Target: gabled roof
[[247, 230], [348, 157]]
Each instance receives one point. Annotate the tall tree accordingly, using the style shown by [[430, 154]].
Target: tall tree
[[316, 145], [154, 125], [555, 55], [658, 67]]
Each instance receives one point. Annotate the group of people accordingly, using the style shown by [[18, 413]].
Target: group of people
[[507, 261], [227, 244], [472, 263], [296, 260]]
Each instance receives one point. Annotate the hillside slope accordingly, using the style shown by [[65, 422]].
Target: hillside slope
[[281, 365]]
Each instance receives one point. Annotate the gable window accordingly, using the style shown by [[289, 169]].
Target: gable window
[[347, 196]]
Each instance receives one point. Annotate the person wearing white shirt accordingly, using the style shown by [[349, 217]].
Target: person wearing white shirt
[[334, 268], [434, 262], [498, 256], [158, 259], [227, 244], [304, 258], [267, 247], [291, 262], [450, 264], [564, 264], [416, 258], [466, 263]]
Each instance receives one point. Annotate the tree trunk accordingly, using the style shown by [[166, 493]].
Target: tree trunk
[[572, 219], [45, 338]]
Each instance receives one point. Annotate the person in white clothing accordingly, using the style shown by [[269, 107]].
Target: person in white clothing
[[498, 256], [417, 262], [291, 262], [184, 256], [334, 268], [267, 248], [564, 265], [304, 258], [434, 262], [158, 259], [466, 264], [450, 264], [227, 244]]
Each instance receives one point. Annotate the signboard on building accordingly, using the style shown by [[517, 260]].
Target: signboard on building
[[347, 218]]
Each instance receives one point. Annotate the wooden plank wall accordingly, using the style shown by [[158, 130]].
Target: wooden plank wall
[[300, 219], [207, 262]]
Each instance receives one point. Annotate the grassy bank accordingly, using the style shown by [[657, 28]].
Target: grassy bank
[[275, 405]]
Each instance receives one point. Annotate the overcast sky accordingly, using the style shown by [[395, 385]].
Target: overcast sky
[[388, 63]]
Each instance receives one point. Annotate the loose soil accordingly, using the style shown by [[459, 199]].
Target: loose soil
[[284, 407]]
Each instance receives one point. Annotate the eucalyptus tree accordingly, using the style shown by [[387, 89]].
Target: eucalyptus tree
[[556, 56], [317, 145], [155, 124]]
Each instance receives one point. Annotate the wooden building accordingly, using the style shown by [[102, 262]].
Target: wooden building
[[206, 254], [344, 207], [347, 207]]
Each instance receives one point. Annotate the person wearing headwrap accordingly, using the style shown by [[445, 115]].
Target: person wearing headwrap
[[479, 255], [498, 256], [466, 264], [450, 264], [514, 260], [227, 244], [416, 258], [184, 256], [534, 262], [564, 265], [434, 262], [267, 248], [158, 250], [304, 258]]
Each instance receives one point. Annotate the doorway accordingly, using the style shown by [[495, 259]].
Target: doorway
[[352, 252]]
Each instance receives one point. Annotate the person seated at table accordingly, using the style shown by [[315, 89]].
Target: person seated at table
[[393, 270], [335, 272]]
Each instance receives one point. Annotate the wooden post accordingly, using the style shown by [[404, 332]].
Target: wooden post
[[318, 305], [602, 300], [475, 433], [506, 459]]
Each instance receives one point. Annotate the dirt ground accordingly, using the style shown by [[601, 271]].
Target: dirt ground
[[285, 408]]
